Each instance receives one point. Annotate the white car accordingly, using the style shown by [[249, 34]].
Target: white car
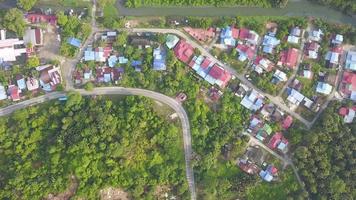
[[58, 38]]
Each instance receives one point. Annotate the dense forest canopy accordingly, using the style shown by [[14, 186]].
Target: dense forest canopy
[[121, 143], [326, 157], [259, 3]]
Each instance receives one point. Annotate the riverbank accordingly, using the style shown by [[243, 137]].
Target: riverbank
[[294, 8]]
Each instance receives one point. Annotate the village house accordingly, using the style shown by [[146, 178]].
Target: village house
[[289, 58], [50, 77], [311, 50], [201, 65], [268, 174], [229, 36], [267, 111], [295, 98], [116, 74], [87, 74], [245, 51], [41, 18], [287, 122], [3, 94], [294, 35], [218, 75], [183, 51], [350, 63], [262, 64], [248, 35], [316, 35], [306, 72], [33, 36], [137, 65], [202, 35], [333, 56], [347, 113], [269, 43], [171, 41], [75, 42], [278, 141], [9, 48], [279, 76], [348, 85], [253, 101], [109, 37], [159, 59], [20, 80], [323, 88], [99, 54], [264, 132], [337, 39], [32, 84], [14, 92]]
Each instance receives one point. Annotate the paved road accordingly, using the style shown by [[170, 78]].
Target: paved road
[[276, 100], [178, 108]]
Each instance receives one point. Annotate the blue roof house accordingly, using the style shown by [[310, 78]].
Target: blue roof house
[[324, 88], [159, 59], [74, 42], [112, 61], [89, 55], [226, 37], [21, 82], [269, 42], [137, 65]]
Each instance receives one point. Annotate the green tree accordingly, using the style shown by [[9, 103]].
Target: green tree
[[33, 62], [62, 19], [14, 21], [89, 86], [26, 4]]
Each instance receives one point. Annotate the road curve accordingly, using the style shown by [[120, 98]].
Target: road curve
[[178, 108]]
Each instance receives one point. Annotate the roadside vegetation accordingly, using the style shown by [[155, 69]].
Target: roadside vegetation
[[121, 143]]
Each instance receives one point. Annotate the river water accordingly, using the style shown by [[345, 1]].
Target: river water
[[294, 8]]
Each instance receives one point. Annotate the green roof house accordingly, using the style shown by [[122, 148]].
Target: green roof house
[[267, 128], [171, 41]]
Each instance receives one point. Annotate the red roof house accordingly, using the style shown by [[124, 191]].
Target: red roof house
[[348, 83], [245, 51], [275, 140], [289, 58], [183, 51], [206, 63], [41, 18], [343, 111], [287, 122], [244, 33], [218, 75], [14, 92]]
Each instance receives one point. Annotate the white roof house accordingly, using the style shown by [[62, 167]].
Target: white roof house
[[295, 97], [332, 57], [33, 36], [350, 116], [281, 76], [32, 84], [350, 63], [293, 39], [316, 35], [8, 53], [3, 94], [338, 39]]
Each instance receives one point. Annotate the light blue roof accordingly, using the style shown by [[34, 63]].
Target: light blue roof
[[281, 146], [112, 61], [46, 86], [136, 63], [159, 59], [226, 37], [267, 49], [74, 42], [123, 60], [21, 84], [323, 88], [89, 55], [107, 78], [87, 75]]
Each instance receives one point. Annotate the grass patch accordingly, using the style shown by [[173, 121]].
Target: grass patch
[[275, 191]]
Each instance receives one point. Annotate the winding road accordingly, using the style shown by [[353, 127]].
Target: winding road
[[177, 107]]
